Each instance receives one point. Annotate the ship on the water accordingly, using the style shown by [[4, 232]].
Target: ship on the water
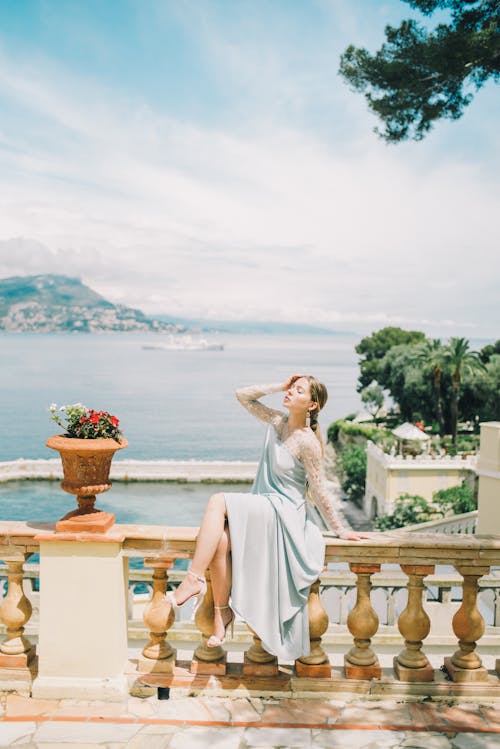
[[185, 342]]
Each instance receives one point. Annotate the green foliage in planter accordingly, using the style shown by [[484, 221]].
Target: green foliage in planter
[[352, 465]]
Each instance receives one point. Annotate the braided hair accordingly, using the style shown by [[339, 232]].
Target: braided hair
[[319, 395]]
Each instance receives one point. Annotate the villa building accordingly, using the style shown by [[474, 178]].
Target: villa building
[[389, 476]]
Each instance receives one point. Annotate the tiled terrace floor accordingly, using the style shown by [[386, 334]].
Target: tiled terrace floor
[[243, 723]]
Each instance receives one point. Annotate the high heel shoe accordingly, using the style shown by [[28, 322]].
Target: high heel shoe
[[213, 641], [170, 596]]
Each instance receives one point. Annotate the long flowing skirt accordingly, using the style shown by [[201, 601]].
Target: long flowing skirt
[[277, 553]]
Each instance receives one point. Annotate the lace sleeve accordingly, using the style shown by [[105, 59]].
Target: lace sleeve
[[311, 457], [248, 397]]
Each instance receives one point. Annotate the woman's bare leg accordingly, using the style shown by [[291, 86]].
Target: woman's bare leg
[[220, 574], [209, 537], [220, 570]]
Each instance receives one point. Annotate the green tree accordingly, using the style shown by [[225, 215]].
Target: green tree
[[460, 360], [409, 388], [374, 347], [420, 76], [431, 355], [353, 471], [373, 398], [479, 398], [488, 351]]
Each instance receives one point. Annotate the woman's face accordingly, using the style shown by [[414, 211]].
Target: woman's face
[[298, 395]]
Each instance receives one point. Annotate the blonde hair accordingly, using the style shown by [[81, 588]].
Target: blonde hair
[[319, 395]]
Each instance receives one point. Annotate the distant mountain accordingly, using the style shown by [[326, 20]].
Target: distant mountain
[[52, 303], [254, 326]]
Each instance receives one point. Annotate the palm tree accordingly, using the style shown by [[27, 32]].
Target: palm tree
[[460, 361], [431, 354]]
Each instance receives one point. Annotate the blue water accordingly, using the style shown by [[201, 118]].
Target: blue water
[[171, 404], [145, 503]]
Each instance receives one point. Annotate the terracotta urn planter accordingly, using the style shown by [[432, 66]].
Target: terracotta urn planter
[[86, 464]]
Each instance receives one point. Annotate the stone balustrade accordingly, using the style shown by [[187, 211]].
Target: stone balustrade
[[463, 523], [83, 590], [337, 586]]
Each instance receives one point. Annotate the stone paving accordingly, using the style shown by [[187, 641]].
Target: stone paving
[[183, 722]]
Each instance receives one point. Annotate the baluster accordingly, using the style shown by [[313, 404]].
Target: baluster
[[391, 607], [158, 655], [496, 607], [257, 661], [414, 624], [317, 663], [496, 622], [343, 611], [361, 662], [16, 651], [468, 626], [207, 660]]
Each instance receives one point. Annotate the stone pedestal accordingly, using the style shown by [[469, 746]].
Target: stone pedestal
[[257, 661], [488, 469], [83, 618], [209, 668], [22, 660], [468, 675], [207, 660], [319, 671], [405, 673], [157, 666], [93, 522], [254, 668]]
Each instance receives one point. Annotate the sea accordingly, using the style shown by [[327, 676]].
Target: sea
[[172, 404]]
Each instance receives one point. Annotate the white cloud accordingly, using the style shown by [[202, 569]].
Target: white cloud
[[267, 223]]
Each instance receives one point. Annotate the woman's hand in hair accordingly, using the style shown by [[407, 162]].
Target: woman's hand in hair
[[288, 384]]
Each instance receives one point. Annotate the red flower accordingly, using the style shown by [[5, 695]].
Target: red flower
[[115, 421], [94, 418], [82, 420]]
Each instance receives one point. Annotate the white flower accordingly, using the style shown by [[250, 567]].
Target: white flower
[[63, 408], [53, 407]]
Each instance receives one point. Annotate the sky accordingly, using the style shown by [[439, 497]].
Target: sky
[[203, 158]]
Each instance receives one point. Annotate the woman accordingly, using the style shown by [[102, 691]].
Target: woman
[[263, 548]]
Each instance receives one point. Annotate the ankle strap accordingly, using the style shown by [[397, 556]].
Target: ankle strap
[[221, 608], [200, 578]]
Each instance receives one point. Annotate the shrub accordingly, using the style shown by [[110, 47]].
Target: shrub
[[352, 462], [332, 433], [455, 500], [408, 510], [411, 509], [369, 432]]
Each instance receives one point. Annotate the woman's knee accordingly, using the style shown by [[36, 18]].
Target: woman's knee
[[218, 501]]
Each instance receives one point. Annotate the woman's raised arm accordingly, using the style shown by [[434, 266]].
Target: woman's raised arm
[[248, 397]]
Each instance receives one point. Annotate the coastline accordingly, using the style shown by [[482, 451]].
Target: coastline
[[178, 471]]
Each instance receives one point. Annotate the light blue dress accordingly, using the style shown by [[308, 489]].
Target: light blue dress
[[278, 551]]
